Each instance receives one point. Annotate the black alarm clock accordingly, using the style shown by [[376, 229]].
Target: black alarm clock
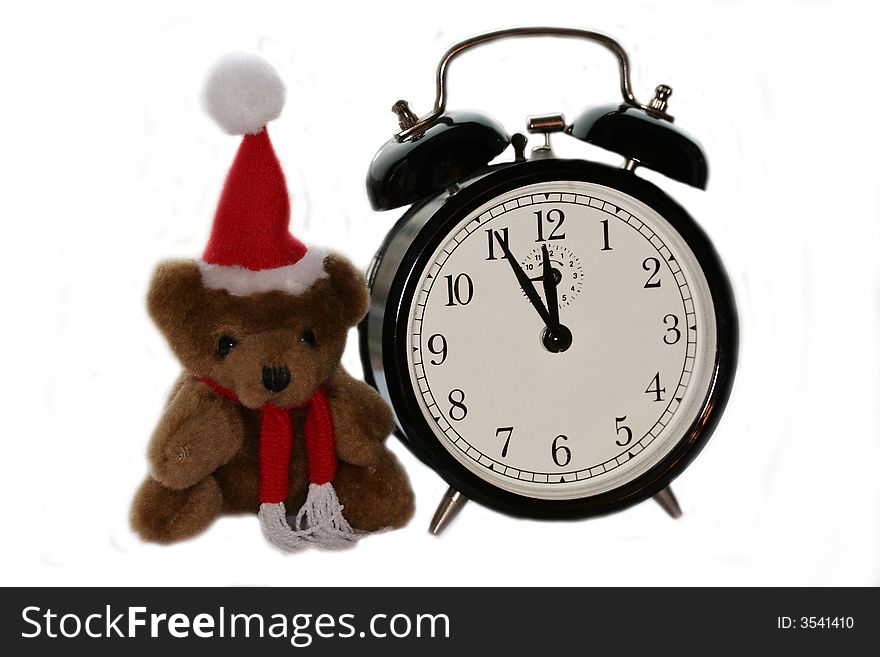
[[557, 337]]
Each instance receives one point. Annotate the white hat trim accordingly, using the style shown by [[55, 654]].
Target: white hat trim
[[293, 279]]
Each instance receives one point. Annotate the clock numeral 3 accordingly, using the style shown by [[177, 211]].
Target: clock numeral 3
[[554, 216], [509, 432], [654, 278], [491, 235], [655, 389], [625, 429], [458, 411], [437, 351], [673, 335], [458, 292], [561, 449]]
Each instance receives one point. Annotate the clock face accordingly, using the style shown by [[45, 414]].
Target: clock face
[[605, 410]]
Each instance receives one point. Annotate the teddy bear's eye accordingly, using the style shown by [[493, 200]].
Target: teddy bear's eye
[[225, 345], [307, 335]]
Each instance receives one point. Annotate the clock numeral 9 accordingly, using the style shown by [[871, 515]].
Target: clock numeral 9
[[458, 293], [554, 216], [654, 278], [655, 389], [509, 432], [625, 429], [673, 335], [561, 449], [491, 235], [458, 411], [437, 351]]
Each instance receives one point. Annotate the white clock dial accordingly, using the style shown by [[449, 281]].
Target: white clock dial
[[599, 414]]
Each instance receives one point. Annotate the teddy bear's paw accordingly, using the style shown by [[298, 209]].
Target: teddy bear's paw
[[164, 515], [361, 449], [179, 466]]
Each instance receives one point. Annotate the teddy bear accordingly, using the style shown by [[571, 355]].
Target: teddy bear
[[264, 419]]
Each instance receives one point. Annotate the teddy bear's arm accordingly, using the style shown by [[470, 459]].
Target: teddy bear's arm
[[361, 419], [199, 431]]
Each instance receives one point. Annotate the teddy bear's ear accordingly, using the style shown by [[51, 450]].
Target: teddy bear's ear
[[175, 290], [348, 288]]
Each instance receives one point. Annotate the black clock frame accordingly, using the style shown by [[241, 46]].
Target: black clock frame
[[439, 216]]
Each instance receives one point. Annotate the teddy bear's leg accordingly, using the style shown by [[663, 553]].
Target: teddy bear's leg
[[239, 482], [164, 515], [375, 497]]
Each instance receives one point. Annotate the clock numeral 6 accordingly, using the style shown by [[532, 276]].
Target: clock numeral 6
[[554, 216], [509, 432], [458, 411], [652, 264], [673, 334], [437, 351], [655, 389], [458, 292], [561, 449], [626, 430]]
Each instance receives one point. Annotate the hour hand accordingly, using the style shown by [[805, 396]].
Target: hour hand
[[527, 285]]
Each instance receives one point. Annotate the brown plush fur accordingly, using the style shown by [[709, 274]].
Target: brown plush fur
[[203, 454]]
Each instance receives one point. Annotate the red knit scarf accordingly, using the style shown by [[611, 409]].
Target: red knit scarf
[[276, 442]]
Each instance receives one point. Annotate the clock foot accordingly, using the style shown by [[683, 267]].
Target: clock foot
[[450, 505], [666, 499]]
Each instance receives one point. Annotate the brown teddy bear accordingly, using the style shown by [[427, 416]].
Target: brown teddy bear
[[264, 418]]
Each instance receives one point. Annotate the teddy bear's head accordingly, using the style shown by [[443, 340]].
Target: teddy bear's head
[[271, 347]]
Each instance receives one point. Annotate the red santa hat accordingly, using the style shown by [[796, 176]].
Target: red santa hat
[[250, 249]]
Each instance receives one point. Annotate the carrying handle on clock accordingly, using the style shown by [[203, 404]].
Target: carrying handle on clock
[[420, 125]]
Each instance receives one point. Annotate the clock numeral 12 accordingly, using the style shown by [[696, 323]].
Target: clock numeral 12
[[509, 432], [655, 389], [458, 293], [554, 216], [491, 235], [458, 411]]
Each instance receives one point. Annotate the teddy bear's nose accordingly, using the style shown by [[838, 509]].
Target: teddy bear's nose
[[276, 379]]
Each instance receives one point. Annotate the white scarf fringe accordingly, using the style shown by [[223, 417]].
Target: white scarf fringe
[[319, 523]]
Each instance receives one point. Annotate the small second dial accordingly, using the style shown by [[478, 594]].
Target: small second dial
[[568, 273]]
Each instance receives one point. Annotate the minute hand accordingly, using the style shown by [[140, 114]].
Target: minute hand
[[549, 287], [525, 283]]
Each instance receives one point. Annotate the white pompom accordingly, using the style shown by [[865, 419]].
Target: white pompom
[[243, 93]]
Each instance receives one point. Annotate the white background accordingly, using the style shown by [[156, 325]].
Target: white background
[[108, 165]]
